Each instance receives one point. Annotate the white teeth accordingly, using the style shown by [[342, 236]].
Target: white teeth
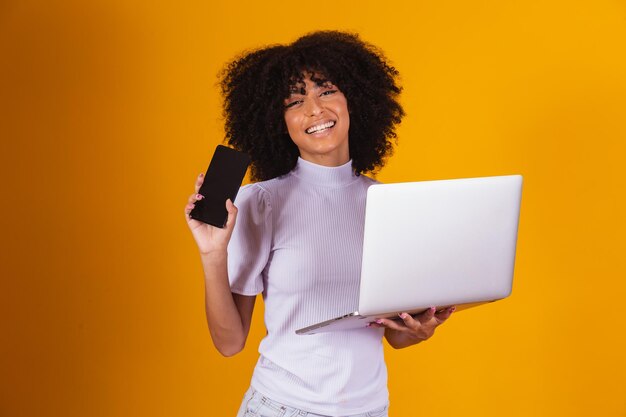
[[320, 127]]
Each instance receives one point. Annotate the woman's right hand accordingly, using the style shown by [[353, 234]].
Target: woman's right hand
[[229, 315], [210, 239]]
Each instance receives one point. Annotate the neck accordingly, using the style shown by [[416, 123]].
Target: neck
[[326, 160], [325, 175]]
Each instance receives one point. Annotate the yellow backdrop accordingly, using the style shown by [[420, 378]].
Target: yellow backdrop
[[109, 110]]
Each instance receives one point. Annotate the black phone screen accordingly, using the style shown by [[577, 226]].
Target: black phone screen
[[221, 182]]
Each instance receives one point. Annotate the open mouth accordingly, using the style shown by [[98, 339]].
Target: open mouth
[[320, 127]]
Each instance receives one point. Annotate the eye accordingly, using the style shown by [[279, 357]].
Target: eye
[[328, 92], [292, 103]]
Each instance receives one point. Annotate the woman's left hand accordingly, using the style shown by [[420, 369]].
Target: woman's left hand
[[412, 330]]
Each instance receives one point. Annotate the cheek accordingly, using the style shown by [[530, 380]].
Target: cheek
[[345, 114], [343, 107], [290, 122], [292, 129], [285, 122]]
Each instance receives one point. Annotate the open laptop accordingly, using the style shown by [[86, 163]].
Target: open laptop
[[434, 243]]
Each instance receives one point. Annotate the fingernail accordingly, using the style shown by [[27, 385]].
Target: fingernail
[[379, 321], [201, 175], [432, 309], [403, 315], [199, 196], [453, 309]]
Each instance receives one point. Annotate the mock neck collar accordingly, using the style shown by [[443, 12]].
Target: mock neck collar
[[323, 175]]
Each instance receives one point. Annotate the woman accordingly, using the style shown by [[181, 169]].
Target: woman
[[313, 116]]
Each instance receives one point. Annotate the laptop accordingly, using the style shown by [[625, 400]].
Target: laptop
[[434, 243]]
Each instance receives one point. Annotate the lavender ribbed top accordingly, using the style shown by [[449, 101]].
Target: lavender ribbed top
[[298, 240]]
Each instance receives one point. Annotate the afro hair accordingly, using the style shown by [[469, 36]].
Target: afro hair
[[255, 85]]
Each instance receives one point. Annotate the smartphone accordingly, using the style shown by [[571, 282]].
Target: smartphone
[[221, 182]]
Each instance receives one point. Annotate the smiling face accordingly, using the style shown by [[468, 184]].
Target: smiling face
[[316, 114]]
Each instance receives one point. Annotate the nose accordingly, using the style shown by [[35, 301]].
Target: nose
[[313, 106]]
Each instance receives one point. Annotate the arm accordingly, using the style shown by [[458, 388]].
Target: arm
[[228, 315], [412, 331]]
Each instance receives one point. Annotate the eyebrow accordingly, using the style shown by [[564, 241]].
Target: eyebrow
[[300, 88], [295, 89]]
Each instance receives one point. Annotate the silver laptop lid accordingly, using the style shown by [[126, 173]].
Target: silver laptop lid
[[437, 243]]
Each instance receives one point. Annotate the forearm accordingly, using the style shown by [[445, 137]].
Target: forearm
[[223, 317]]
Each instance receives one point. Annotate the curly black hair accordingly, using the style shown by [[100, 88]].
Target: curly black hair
[[255, 85]]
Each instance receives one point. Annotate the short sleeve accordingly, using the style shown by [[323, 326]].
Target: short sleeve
[[250, 243]]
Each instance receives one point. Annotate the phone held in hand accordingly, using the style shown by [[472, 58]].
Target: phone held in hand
[[221, 182]]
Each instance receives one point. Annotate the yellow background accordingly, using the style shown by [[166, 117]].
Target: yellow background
[[109, 110]]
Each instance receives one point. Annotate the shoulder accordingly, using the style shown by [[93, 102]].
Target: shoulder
[[252, 201], [252, 195], [367, 181], [260, 194], [268, 188]]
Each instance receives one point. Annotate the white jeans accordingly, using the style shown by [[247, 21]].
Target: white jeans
[[255, 404]]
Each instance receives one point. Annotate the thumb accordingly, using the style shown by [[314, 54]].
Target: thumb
[[232, 215]]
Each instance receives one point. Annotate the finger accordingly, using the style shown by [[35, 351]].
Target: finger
[[409, 321], [445, 314], [188, 209], [232, 214], [199, 182], [390, 324], [195, 197], [427, 315]]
